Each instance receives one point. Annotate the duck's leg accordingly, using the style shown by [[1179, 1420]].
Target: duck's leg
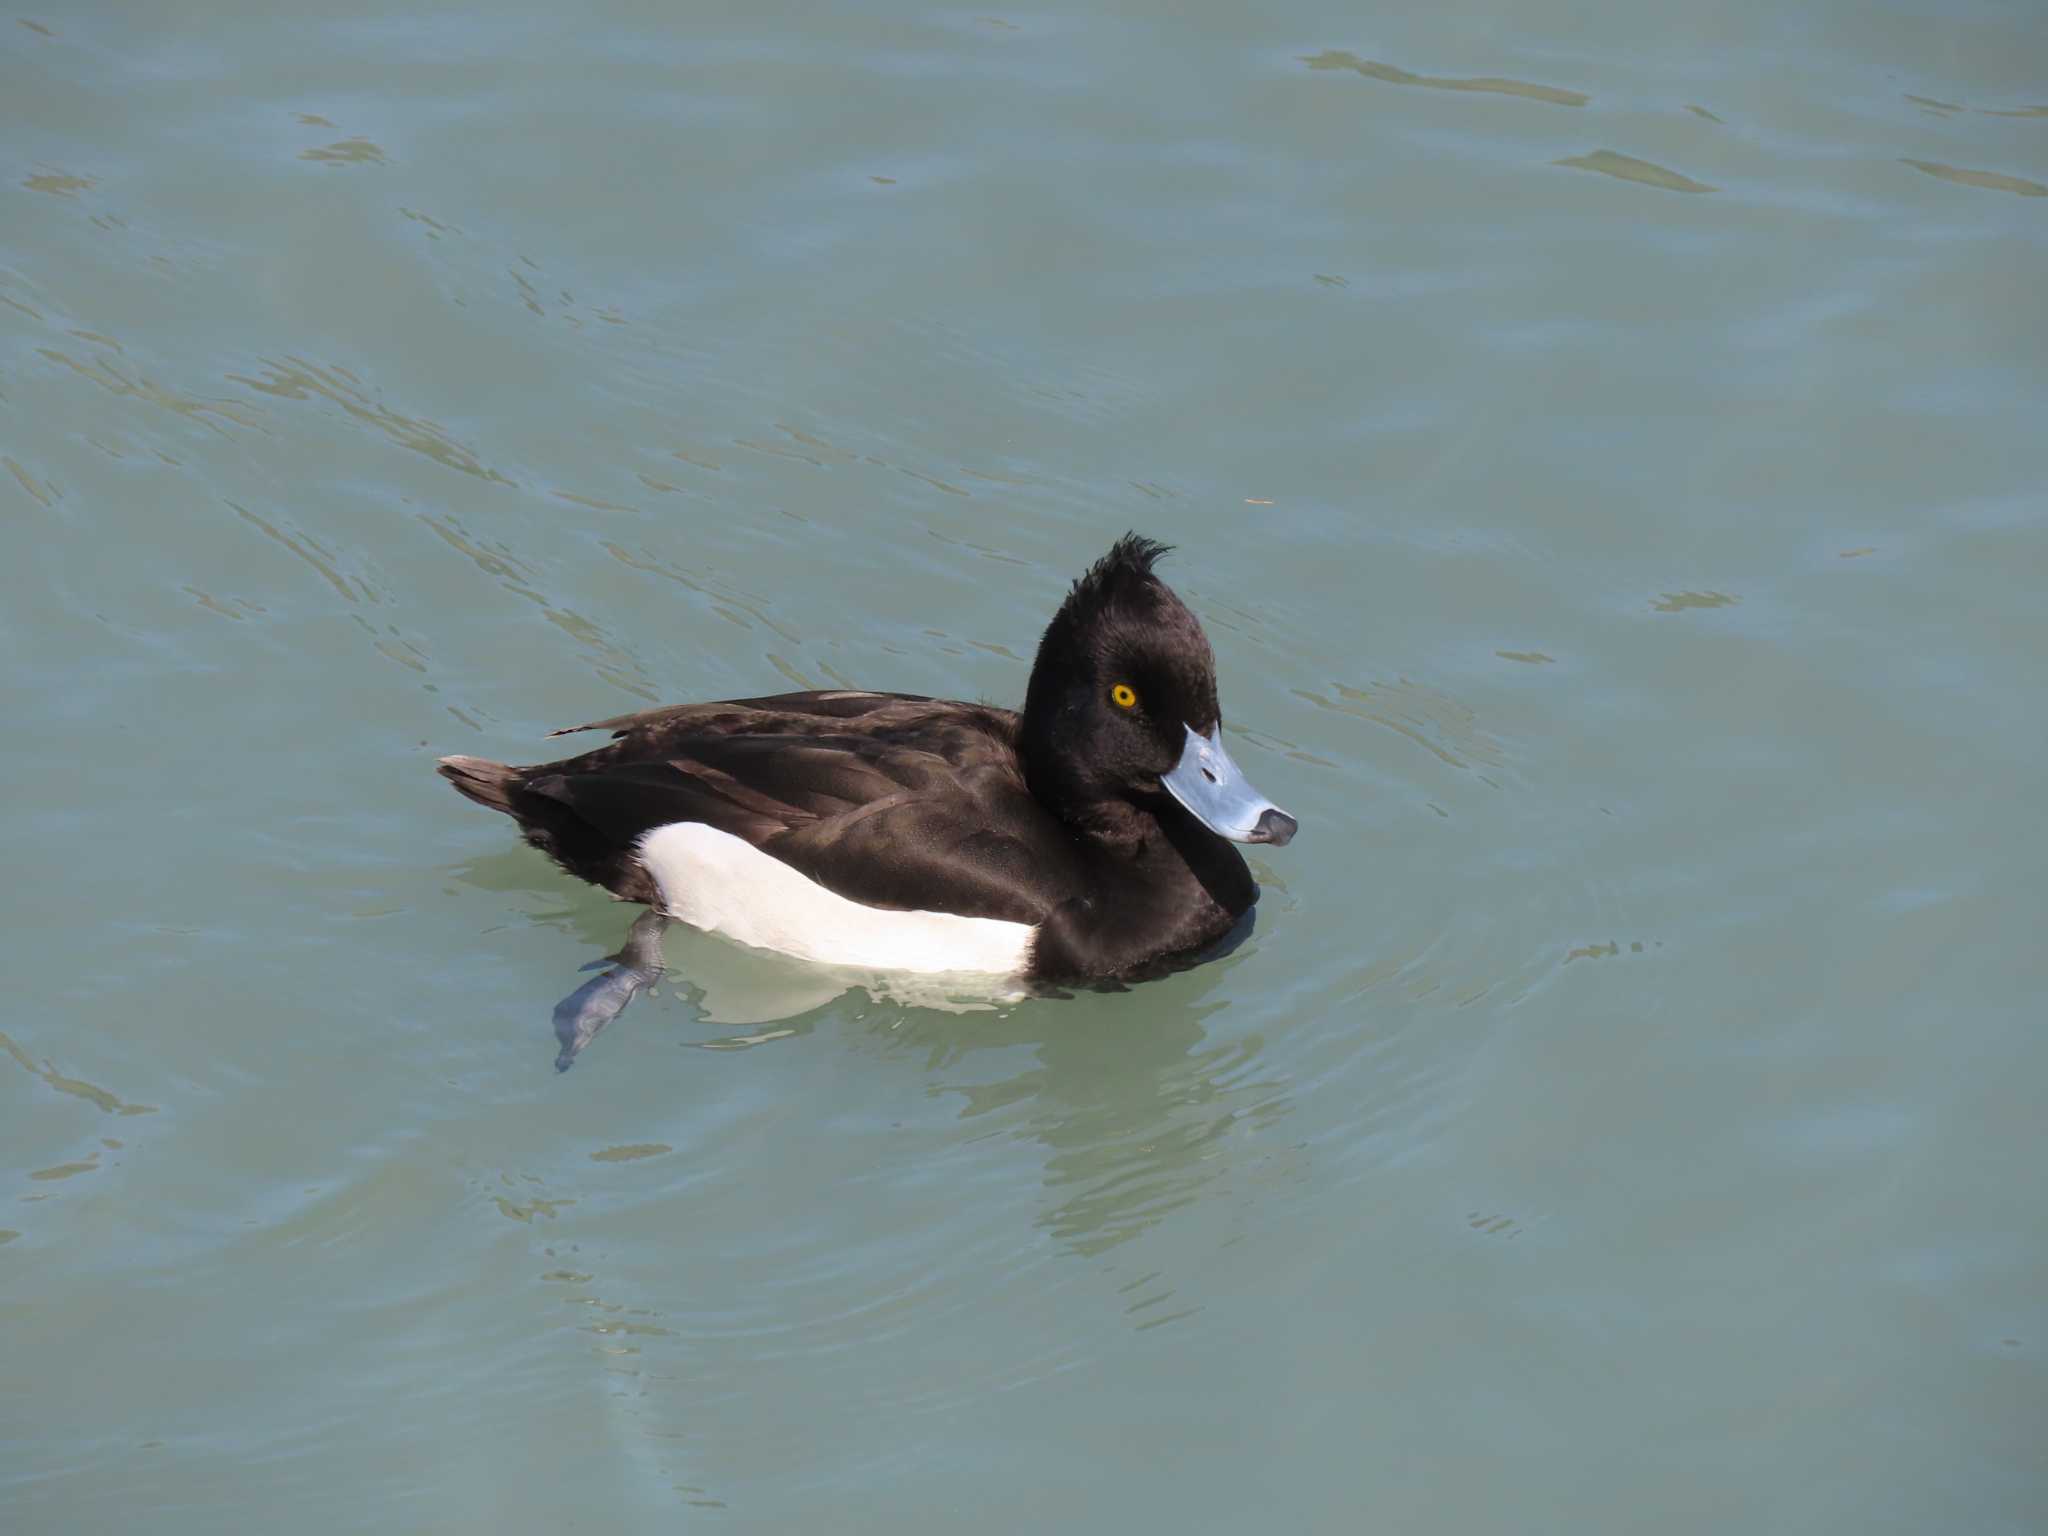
[[636, 967]]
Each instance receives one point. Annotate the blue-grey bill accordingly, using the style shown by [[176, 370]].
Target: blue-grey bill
[[1217, 794]]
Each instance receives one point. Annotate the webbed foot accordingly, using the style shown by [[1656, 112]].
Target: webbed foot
[[636, 967]]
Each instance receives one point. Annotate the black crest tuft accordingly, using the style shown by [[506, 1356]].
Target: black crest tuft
[[1120, 575], [1133, 552]]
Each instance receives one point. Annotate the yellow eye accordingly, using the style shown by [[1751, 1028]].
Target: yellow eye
[[1124, 696]]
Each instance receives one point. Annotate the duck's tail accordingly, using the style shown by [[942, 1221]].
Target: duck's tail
[[485, 782]]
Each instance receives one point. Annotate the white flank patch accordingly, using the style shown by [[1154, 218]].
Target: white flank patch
[[723, 884]]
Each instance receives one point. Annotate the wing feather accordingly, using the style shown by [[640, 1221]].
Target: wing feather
[[892, 800]]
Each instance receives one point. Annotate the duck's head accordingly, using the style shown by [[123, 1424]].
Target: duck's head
[[1122, 706]]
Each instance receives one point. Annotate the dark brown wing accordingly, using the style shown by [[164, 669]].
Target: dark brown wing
[[887, 799]]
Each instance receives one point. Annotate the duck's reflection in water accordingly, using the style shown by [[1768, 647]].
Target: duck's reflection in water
[[1136, 1107], [1138, 1118]]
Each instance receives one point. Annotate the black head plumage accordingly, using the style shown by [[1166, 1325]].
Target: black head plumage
[[1122, 632]]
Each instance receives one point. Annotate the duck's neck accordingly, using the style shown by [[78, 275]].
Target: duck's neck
[[1045, 740]]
